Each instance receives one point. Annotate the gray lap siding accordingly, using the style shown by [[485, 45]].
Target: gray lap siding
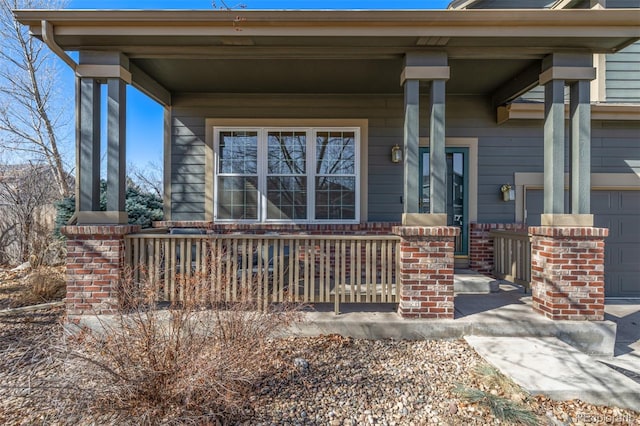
[[515, 146]]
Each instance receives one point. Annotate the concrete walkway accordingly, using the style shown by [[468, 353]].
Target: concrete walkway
[[551, 367]]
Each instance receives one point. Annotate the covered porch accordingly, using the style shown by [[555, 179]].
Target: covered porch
[[382, 229]]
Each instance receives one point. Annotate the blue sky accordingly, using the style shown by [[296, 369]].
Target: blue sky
[[259, 4], [144, 116]]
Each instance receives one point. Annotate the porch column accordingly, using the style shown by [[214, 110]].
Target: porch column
[[116, 145], [437, 154], [411, 145], [580, 111], [95, 69], [431, 67], [567, 252], [425, 276], [88, 157], [554, 147]]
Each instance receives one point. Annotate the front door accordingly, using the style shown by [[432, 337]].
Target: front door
[[457, 191]]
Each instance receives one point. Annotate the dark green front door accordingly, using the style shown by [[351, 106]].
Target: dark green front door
[[457, 191]]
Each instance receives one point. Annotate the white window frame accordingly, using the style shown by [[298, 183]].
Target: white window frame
[[311, 133]]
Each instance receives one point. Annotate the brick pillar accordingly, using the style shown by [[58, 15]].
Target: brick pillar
[[567, 272], [425, 278], [95, 264]]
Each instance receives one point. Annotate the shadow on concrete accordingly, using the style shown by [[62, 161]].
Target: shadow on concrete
[[347, 308], [470, 304], [626, 314]]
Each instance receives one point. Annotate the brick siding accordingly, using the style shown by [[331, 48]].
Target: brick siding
[[567, 272], [95, 265], [426, 271]]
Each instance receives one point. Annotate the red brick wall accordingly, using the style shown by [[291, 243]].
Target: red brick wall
[[95, 263], [481, 244], [426, 271], [567, 272]]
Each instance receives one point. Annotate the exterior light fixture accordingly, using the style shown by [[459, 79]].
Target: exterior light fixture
[[396, 154], [508, 194]]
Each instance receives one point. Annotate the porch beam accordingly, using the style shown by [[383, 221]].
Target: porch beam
[[517, 85], [150, 87], [88, 122], [116, 144]]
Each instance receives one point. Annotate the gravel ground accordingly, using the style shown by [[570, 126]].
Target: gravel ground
[[329, 380]]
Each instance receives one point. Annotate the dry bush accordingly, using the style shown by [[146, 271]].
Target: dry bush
[[44, 284], [194, 362]]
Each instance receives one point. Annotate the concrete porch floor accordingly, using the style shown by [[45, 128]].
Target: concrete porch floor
[[505, 313]]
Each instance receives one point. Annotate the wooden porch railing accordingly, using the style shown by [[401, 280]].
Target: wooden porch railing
[[271, 268], [512, 256]]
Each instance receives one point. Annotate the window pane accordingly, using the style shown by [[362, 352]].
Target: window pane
[[335, 153], [238, 197], [287, 153], [287, 197], [238, 152], [335, 198]]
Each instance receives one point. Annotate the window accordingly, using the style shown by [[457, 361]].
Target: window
[[287, 175]]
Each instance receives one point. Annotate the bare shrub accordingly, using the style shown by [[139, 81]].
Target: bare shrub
[[195, 361], [45, 284], [41, 285], [27, 215]]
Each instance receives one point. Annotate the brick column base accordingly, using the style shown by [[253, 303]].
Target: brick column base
[[567, 272], [425, 279], [95, 264]]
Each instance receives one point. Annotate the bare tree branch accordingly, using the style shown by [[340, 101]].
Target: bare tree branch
[[31, 116]]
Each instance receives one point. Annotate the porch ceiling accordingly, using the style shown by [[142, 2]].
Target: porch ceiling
[[332, 51], [468, 76]]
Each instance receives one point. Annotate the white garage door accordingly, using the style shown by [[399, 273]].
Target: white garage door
[[620, 212]]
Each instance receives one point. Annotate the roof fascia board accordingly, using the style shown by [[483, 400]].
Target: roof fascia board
[[497, 18]]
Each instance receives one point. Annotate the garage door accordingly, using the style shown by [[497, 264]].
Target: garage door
[[620, 212]]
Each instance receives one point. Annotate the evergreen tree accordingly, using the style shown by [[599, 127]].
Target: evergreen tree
[[142, 207]]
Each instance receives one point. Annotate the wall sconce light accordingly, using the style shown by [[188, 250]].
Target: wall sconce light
[[396, 154], [508, 194]]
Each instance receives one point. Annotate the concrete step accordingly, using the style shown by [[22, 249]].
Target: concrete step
[[468, 281]]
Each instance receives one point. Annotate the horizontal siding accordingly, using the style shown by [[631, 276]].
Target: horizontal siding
[[516, 146], [187, 168], [618, 4], [623, 75]]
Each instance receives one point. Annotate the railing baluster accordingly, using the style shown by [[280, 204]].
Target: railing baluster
[[339, 268]]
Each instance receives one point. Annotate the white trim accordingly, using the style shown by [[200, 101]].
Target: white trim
[[567, 73], [599, 181], [535, 111], [311, 132], [425, 73], [103, 71]]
